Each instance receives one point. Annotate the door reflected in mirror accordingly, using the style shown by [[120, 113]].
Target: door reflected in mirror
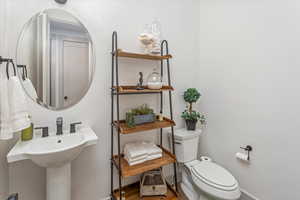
[[55, 59]]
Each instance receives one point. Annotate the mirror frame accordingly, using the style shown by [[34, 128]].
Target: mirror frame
[[93, 59]]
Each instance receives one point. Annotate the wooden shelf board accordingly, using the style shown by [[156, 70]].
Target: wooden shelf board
[[127, 170], [124, 129], [121, 53], [127, 89], [132, 192]]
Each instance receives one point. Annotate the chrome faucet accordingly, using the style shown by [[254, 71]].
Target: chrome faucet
[[59, 126]]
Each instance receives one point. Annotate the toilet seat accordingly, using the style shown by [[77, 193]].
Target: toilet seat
[[213, 179], [214, 175]]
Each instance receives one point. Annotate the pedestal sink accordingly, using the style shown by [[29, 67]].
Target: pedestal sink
[[55, 153]]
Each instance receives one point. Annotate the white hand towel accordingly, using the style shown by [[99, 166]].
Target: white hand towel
[[18, 106], [30, 89], [5, 125]]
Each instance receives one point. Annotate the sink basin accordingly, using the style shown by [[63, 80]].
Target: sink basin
[[56, 151], [53, 151]]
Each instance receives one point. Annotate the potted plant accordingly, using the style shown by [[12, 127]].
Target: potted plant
[[191, 116], [140, 115]]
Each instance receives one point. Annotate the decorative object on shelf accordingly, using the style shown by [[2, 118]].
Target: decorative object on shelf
[[153, 184], [141, 81], [156, 32], [147, 41], [191, 116], [140, 115], [133, 193], [160, 117], [151, 38], [154, 80]]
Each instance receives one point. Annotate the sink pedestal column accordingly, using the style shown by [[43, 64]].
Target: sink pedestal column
[[59, 183]]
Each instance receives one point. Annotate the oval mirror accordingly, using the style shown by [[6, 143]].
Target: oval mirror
[[55, 59]]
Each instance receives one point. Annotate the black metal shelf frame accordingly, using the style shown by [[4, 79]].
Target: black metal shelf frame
[[116, 94]]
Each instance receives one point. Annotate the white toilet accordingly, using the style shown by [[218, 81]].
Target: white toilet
[[202, 180]]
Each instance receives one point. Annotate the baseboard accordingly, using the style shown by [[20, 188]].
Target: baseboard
[[247, 196]]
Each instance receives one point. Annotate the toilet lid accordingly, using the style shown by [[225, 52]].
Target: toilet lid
[[214, 175]]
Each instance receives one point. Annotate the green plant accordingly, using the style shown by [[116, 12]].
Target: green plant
[[191, 115], [191, 96], [130, 119], [141, 110]]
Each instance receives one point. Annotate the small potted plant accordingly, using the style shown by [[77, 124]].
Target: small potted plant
[[191, 116], [140, 115]]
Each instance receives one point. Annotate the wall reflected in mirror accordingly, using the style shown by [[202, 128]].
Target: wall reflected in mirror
[[55, 59]]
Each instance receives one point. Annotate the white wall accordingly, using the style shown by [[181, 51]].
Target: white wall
[[3, 144], [249, 76], [90, 172]]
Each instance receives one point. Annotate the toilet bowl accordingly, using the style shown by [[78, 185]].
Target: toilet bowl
[[202, 180]]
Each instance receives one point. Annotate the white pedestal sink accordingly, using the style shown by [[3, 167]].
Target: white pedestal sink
[[55, 153]]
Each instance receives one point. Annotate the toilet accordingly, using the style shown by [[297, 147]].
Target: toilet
[[202, 180]]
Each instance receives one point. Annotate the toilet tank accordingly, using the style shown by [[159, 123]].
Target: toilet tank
[[186, 145]]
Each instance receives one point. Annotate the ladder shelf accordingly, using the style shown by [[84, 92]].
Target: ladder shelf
[[119, 126]]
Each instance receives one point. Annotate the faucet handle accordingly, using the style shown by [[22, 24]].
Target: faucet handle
[[45, 131], [73, 127], [59, 120]]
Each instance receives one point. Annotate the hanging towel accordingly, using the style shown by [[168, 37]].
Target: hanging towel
[[5, 125], [30, 89], [19, 117]]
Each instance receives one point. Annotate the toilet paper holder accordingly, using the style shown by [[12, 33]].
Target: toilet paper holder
[[248, 148]]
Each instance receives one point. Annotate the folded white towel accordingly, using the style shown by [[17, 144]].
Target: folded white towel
[[142, 159], [30, 89], [135, 161], [154, 156], [135, 149], [5, 125], [139, 152], [19, 117], [152, 148]]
